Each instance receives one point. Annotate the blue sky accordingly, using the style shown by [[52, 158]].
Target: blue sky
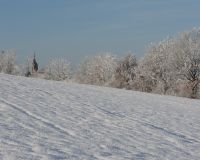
[[77, 28]]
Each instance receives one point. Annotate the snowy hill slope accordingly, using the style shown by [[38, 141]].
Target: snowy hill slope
[[52, 120]]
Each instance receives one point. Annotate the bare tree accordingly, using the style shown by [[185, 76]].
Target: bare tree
[[7, 62], [58, 69]]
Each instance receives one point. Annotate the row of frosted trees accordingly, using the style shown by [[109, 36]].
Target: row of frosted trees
[[170, 67]]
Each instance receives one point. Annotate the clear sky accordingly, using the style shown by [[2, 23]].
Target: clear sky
[[77, 28]]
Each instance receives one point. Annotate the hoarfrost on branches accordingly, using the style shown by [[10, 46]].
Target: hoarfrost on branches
[[7, 62], [125, 72], [172, 66], [96, 70], [58, 69]]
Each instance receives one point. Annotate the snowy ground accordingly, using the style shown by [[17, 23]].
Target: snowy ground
[[52, 120]]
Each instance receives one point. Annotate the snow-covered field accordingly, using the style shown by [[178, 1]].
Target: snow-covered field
[[42, 119]]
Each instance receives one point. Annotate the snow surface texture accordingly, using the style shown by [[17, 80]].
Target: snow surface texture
[[42, 119]]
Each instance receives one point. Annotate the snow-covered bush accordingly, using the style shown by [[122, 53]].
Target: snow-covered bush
[[154, 71], [125, 72], [58, 69], [7, 62], [96, 70]]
